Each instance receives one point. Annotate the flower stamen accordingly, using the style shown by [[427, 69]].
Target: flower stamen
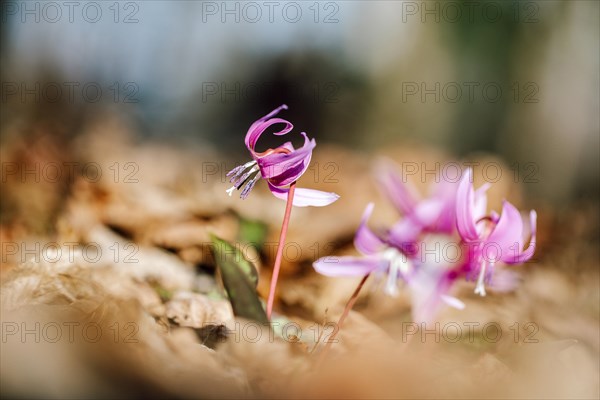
[[246, 174], [249, 186], [480, 288], [240, 168], [398, 265]]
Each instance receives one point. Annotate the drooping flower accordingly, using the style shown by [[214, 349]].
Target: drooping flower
[[427, 283], [490, 239], [378, 256], [280, 167]]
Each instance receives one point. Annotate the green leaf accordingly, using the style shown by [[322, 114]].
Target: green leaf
[[253, 232], [240, 279], [223, 250]]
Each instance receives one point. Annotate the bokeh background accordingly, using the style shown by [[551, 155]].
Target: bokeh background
[[157, 96], [357, 73]]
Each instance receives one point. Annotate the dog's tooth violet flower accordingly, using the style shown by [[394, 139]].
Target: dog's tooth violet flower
[[378, 257], [428, 283], [280, 167], [491, 239]]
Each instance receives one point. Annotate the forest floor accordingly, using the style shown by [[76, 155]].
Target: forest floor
[[109, 287]]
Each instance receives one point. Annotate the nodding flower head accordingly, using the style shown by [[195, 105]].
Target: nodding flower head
[[428, 286], [280, 167], [378, 256]]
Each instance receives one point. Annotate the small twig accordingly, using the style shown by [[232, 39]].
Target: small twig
[[340, 323], [321, 331]]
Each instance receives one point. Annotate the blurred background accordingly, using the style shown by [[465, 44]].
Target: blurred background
[[119, 119], [158, 92], [516, 79]]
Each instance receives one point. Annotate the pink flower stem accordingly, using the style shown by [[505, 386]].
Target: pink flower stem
[[277, 266], [347, 309]]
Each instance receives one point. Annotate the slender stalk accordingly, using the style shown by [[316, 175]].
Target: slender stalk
[[347, 309], [277, 266]]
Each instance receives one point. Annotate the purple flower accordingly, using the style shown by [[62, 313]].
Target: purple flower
[[378, 256], [428, 283], [280, 167], [435, 213], [491, 239]]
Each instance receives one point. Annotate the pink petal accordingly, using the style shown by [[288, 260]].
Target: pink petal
[[282, 169], [347, 266], [405, 231], [402, 194], [506, 237], [465, 222], [446, 193], [428, 288], [428, 211], [305, 197], [365, 240], [480, 206], [251, 131], [525, 255], [257, 130], [452, 302]]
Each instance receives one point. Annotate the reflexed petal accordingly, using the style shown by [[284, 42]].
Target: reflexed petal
[[305, 197], [402, 194], [480, 206], [446, 193], [254, 134], [365, 240], [465, 222], [507, 236], [266, 117], [348, 266], [525, 255], [259, 121]]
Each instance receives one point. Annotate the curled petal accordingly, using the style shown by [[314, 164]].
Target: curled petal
[[250, 134], [253, 135], [507, 236], [465, 219], [480, 204], [525, 255], [365, 240], [266, 117], [282, 169], [305, 197], [402, 194], [348, 266]]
